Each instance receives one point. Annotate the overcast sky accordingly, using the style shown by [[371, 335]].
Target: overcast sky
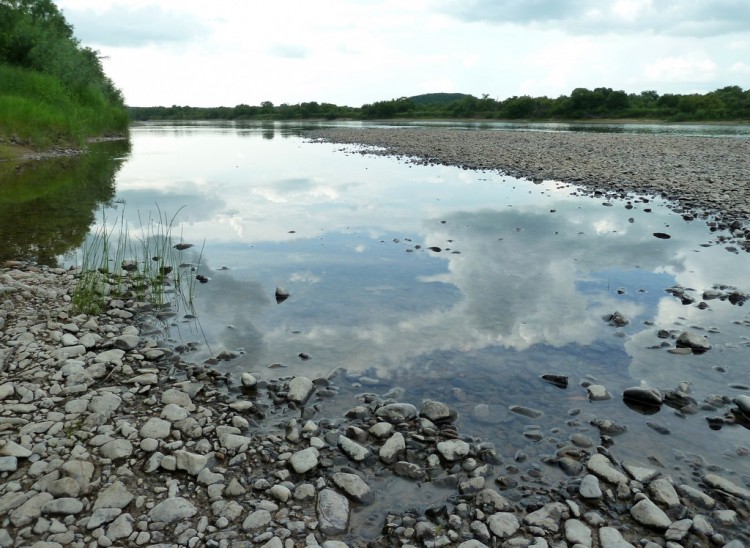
[[351, 52]]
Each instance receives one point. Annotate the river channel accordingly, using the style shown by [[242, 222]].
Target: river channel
[[441, 283]]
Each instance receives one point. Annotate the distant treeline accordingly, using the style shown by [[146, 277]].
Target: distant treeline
[[725, 104], [53, 91]]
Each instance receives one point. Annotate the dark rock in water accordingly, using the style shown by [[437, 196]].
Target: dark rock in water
[[616, 319], [743, 403], [526, 411], [690, 339], [662, 334], [435, 248], [201, 278], [656, 427], [662, 235], [678, 400], [181, 247], [642, 395], [281, 295], [560, 381]]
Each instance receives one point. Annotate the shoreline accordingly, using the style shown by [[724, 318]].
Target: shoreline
[[109, 437], [708, 177]]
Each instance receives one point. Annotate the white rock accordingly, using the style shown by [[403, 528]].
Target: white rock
[[610, 537], [589, 488], [9, 448], [156, 428], [172, 509], [392, 447], [304, 460], [663, 492], [258, 519], [352, 449], [453, 450], [576, 532], [248, 380], [602, 467], [300, 389], [354, 487], [113, 355], [503, 524], [333, 512], [648, 513], [116, 449], [192, 463]]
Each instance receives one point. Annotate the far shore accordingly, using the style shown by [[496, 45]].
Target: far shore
[[707, 176]]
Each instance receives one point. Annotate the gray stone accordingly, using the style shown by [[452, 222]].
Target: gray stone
[[597, 392], [609, 537], [300, 389], [304, 460], [30, 510], [65, 506], [602, 467], [490, 500], [548, 517], [397, 412], [8, 464], [355, 488], [106, 403], [408, 470], [589, 488], [156, 428], [173, 509], [232, 442], [116, 449], [392, 448], [127, 342], [281, 493], [503, 524], [121, 528], [192, 463], [352, 449], [453, 450], [648, 513], [693, 340], [576, 532], [9, 448], [177, 397], [435, 411], [696, 496], [114, 496], [333, 512], [102, 516], [678, 530], [113, 355], [258, 519], [723, 484], [663, 492], [248, 380]]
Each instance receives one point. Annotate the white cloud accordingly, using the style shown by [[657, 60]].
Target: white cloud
[[687, 68]]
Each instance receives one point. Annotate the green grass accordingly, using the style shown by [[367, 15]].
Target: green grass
[[37, 111], [144, 266]]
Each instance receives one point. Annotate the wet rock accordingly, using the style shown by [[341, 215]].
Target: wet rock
[[354, 487], [526, 411], [643, 396], [503, 524], [352, 449], [435, 411], [560, 381], [397, 412], [300, 389], [695, 341], [743, 404], [722, 484], [248, 380], [392, 448], [333, 512], [603, 468], [453, 450], [548, 517], [616, 319], [597, 392], [408, 470]]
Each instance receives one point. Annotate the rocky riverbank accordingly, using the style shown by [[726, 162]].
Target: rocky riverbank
[[708, 176], [107, 437]]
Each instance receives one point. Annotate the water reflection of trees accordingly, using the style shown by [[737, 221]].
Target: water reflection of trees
[[47, 206]]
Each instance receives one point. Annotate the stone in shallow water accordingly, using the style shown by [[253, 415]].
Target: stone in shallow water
[[353, 450], [435, 411], [397, 412], [723, 484], [643, 395], [300, 389], [695, 341], [354, 487], [452, 450], [392, 447], [603, 468], [743, 403]]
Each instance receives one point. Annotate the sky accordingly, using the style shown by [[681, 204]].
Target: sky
[[352, 52]]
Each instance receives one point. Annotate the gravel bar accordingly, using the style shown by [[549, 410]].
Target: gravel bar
[[710, 176]]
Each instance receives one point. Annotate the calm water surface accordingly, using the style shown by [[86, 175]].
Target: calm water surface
[[447, 284]]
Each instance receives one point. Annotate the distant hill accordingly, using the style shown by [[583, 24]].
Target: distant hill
[[437, 98]]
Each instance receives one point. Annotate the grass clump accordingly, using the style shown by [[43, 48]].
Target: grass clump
[[145, 266]]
